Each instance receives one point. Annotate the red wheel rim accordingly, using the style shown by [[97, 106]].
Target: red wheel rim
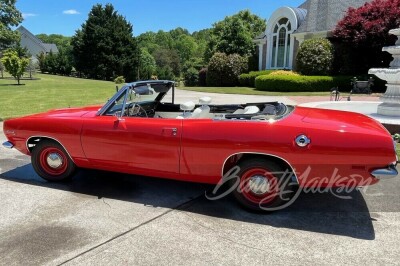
[[265, 191], [60, 161]]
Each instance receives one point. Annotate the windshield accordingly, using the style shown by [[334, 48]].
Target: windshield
[[132, 96]]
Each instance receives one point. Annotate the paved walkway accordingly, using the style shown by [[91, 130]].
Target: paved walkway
[[308, 99], [223, 98]]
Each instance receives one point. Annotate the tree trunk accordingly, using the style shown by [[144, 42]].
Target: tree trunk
[[18, 80]]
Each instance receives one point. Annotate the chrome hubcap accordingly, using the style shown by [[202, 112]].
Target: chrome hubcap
[[54, 160], [259, 184]]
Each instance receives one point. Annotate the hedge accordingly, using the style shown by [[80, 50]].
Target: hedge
[[248, 79], [302, 83]]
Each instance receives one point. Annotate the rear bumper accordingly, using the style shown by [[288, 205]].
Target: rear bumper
[[385, 173], [8, 145]]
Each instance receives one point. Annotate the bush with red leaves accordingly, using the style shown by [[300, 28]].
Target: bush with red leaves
[[363, 32]]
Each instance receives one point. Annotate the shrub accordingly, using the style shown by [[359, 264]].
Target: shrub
[[284, 73], [216, 69], [165, 73], [302, 83], [191, 77], [203, 77], [315, 57], [248, 79], [119, 80], [224, 70]]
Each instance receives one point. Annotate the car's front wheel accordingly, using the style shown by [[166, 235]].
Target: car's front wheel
[[263, 185], [51, 161]]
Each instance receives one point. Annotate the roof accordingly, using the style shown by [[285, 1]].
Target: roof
[[260, 36], [301, 14], [323, 15], [50, 47], [47, 47]]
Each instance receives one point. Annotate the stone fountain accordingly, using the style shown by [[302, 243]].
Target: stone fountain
[[387, 110], [390, 105]]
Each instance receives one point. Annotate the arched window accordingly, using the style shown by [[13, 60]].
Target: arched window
[[281, 44]]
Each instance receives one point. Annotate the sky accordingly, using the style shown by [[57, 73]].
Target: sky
[[66, 16]]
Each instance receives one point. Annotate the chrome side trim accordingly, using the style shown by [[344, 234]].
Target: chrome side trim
[[8, 145], [385, 173], [259, 153], [47, 137]]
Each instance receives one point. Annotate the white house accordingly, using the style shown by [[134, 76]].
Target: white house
[[288, 27], [34, 45]]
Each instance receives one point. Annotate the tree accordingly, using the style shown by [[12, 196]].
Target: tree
[[186, 47], [191, 77], [235, 34], [168, 58], [224, 70], [63, 63], [148, 41], [2, 70], [165, 73], [58, 39], [177, 49], [9, 17], [147, 66], [42, 62], [105, 48], [362, 33], [14, 64], [51, 63]]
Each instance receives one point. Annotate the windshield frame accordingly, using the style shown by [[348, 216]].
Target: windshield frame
[[125, 89]]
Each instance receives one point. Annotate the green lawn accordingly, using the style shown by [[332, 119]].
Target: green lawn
[[50, 92], [398, 149], [252, 91]]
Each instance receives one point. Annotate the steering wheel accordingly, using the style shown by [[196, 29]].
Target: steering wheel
[[136, 110]]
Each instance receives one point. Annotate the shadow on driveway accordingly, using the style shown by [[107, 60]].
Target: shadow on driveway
[[322, 212]]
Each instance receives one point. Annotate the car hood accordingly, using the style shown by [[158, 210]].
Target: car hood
[[67, 112]]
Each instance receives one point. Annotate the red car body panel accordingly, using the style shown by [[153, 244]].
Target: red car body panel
[[345, 147]]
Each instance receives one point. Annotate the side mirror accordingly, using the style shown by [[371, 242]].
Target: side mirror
[[118, 115]]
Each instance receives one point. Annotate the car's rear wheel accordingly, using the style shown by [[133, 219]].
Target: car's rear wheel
[[51, 161], [263, 185]]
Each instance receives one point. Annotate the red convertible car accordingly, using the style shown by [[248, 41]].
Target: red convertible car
[[262, 150]]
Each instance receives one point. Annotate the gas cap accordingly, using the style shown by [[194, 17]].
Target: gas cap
[[302, 141]]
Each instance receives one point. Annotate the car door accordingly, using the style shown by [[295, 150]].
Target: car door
[[148, 146]]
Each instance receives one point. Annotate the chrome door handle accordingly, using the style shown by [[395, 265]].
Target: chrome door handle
[[167, 131]]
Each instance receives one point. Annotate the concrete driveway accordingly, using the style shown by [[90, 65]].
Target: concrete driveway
[[102, 218], [224, 98]]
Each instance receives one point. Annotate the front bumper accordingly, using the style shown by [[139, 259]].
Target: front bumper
[[385, 173], [8, 145]]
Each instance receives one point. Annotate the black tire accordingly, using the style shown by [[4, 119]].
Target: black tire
[[40, 161], [273, 194]]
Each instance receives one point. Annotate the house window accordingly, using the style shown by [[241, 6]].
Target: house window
[[281, 44]]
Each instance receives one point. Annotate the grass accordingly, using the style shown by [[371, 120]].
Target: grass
[[253, 91], [50, 92]]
